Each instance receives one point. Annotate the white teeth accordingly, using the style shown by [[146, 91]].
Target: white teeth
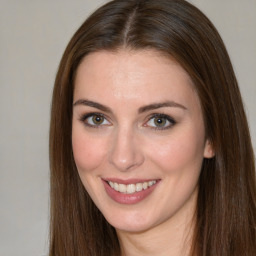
[[116, 186], [145, 185], [122, 188], [111, 184], [131, 188], [150, 183], [139, 187]]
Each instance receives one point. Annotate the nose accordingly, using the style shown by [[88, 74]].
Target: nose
[[125, 153]]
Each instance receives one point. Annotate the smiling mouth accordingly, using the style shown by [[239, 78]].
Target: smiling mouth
[[131, 188]]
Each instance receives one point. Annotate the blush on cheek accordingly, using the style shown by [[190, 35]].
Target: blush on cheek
[[179, 153], [88, 155]]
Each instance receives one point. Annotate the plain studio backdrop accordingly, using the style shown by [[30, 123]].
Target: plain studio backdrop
[[33, 35]]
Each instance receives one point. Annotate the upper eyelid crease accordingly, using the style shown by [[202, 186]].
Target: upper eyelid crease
[[152, 116], [161, 128], [92, 114], [86, 116], [160, 115]]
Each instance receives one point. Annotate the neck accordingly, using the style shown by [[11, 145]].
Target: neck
[[172, 237]]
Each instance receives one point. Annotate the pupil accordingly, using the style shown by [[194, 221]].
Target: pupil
[[97, 119], [160, 121]]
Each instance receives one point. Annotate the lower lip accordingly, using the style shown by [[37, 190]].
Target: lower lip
[[134, 198]]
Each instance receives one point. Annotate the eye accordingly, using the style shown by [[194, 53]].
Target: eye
[[160, 121], [94, 120]]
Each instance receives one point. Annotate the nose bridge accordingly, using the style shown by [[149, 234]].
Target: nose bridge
[[125, 151]]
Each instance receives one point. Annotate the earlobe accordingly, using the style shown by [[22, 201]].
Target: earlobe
[[208, 150]]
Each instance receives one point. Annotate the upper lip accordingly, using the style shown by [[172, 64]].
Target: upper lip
[[128, 181]]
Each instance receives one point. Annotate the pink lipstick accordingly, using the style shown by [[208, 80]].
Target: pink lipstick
[[129, 191]]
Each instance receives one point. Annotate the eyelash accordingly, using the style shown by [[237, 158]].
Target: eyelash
[[172, 122], [84, 119]]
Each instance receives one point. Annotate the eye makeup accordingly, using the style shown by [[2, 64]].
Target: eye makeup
[[156, 121], [159, 121], [94, 120]]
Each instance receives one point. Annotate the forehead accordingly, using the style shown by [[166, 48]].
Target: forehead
[[132, 74]]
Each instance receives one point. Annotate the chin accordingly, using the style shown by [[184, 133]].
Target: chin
[[131, 222]]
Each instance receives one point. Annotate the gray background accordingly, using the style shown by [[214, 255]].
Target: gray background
[[33, 35]]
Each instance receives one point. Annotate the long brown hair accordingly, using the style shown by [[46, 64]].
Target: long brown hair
[[226, 208]]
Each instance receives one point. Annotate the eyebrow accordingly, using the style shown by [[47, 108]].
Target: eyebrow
[[143, 109], [93, 104], [161, 105]]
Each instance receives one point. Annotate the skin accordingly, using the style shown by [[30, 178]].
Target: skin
[[129, 145]]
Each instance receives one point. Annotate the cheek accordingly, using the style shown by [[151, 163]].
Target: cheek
[[180, 152], [88, 151]]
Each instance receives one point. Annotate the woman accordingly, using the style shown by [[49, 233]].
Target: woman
[[150, 150]]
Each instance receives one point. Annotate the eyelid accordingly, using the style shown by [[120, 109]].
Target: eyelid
[[171, 120], [84, 117], [160, 115]]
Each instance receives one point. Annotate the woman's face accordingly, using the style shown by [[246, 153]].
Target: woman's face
[[138, 137]]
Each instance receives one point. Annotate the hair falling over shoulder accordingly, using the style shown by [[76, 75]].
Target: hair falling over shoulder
[[226, 207]]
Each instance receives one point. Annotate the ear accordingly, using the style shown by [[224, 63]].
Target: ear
[[208, 150]]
